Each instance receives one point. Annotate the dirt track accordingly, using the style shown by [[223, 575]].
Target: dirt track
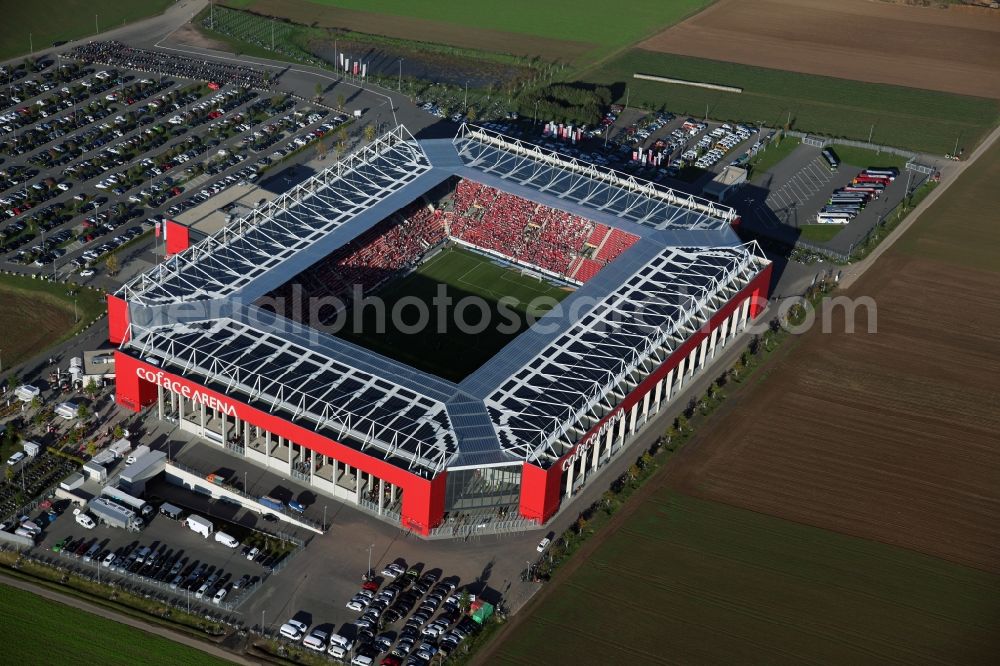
[[947, 50]]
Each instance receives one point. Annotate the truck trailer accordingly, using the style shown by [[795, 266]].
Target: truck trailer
[[128, 501], [114, 515], [199, 525]]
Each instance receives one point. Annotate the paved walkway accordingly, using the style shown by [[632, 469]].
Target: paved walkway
[[148, 627]]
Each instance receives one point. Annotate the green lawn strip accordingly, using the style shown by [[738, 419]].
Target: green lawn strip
[[921, 120], [865, 157], [772, 155], [819, 233]]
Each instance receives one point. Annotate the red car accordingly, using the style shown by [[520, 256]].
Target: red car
[[392, 660], [370, 585]]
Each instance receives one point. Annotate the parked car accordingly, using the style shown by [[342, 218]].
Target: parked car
[[293, 630]]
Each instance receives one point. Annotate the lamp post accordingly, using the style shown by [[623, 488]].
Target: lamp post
[[399, 85], [370, 557], [324, 517]]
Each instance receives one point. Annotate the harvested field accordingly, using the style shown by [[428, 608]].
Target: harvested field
[[889, 436], [685, 581], [947, 50], [35, 315]]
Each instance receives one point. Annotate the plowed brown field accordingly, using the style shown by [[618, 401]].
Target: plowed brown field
[[947, 50], [889, 436]]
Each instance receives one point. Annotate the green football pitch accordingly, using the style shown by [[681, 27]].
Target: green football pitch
[[452, 314]]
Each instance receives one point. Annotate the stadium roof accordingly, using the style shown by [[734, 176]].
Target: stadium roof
[[530, 401]]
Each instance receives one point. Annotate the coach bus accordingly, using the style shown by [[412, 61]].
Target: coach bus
[[833, 218], [831, 158], [888, 172]]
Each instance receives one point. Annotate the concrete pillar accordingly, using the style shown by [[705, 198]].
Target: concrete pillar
[[609, 441], [392, 494], [312, 465], [201, 416], [569, 478], [173, 401], [668, 385], [702, 349], [680, 373], [246, 437], [645, 406], [620, 438], [595, 453], [380, 497], [180, 409], [711, 343], [357, 486], [159, 402], [658, 395], [632, 418], [225, 426], [291, 450], [692, 363]]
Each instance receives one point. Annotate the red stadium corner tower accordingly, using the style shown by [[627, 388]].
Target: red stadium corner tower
[[658, 285]]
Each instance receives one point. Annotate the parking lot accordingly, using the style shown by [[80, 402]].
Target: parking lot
[[791, 194], [85, 150]]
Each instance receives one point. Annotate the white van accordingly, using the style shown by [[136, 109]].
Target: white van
[[226, 540]]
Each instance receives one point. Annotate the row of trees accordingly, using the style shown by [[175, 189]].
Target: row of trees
[[565, 103]]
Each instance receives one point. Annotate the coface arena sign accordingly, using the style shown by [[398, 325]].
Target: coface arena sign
[[198, 397], [584, 446]]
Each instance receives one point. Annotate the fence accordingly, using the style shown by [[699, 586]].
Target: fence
[[823, 141], [136, 585]]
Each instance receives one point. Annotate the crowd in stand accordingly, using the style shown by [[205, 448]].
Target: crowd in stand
[[527, 232], [116, 54]]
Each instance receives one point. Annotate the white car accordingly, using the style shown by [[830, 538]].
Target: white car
[[357, 604], [16, 458], [87, 272], [220, 595], [316, 640], [85, 521], [543, 544], [293, 630], [109, 559]]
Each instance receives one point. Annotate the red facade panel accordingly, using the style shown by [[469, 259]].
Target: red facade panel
[[423, 499], [178, 237], [117, 320]]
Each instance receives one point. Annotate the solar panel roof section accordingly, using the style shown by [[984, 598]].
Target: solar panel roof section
[[596, 188], [557, 387], [279, 374], [250, 247]]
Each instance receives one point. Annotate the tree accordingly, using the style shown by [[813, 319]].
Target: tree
[[9, 473], [319, 91], [647, 460], [471, 114], [369, 133], [82, 412], [91, 448], [633, 472], [321, 148], [36, 402], [112, 264], [464, 601], [91, 388], [119, 432], [340, 102]]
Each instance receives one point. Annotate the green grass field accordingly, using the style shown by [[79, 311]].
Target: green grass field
[[920, 120], [35, 315], [68, 20], [588, 21], [864, 157], [686, 581], [819, 233], [772, 155], [447, 351], [39, 631]]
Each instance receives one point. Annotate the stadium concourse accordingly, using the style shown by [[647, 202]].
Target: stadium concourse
[[660, 283]]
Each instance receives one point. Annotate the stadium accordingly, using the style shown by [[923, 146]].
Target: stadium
[[265, 338]]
